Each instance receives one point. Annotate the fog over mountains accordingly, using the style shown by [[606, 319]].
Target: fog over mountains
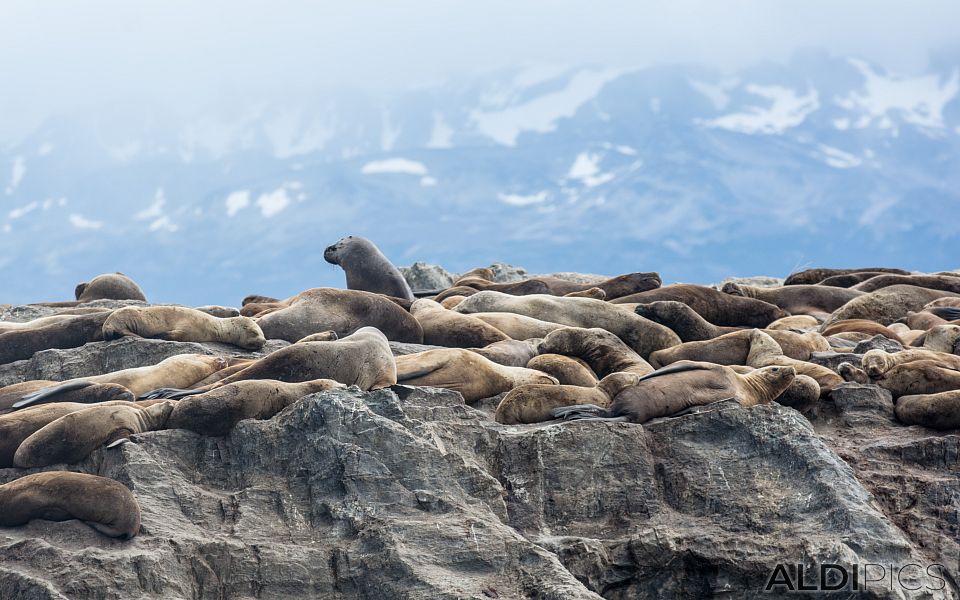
[[698, 174]]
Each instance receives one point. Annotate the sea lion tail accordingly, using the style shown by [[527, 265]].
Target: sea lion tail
[[581, 412], [168, 394], [42, 396]]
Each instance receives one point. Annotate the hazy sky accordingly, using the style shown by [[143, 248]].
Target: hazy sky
[[57, 56]]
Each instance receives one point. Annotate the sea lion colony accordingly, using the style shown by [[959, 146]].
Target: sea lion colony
[[624, 349]]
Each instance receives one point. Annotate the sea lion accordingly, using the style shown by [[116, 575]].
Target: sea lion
[[322, 336], [942, 338], [936, 411], [865, 326], [602, 350], [944, 283], [341, 311], [811, 276], [458, 290], [888, 304], [594, 292], [655, 395], [257, 299], [367, 269], [14, 326], [112, 286], [451, 301], [877, 362], [766, 352], [849, 280], [568, 370], [74, 332], [922, 320], [797, 322], [221, 312], [181, 324], [363, 359], [442, 327], [72, 437], [802, 395], [733, 348], [713, 305], [474, 376], [615, 287], [947, 301], [643, 335], [517, 326], [533, 403], [908, 379], [216, 412], [682, 319], [178, 371], [509, 353], [101, 503], [797, 299], [89, 393]]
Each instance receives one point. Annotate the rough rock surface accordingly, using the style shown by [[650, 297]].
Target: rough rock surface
[[757, 281], [424, 276]]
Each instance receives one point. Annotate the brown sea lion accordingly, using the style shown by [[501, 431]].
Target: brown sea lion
[[533, 403], [112, 286], [509, 353], [733, 348], [944, 283], [457, 290], [101, 503], [945, 302], [69, 333], [802, 395], [615, 287], [655, 395], [766, 352], [216, 412], [257, 299], [877, 362], [849, 280], [602, 350], [937, 411], [797, 299], [642, 335], [342, 311], [72, 437], [682, 319], [517, 326], [888, 304], [865, 326], [181, 324], [713, 305], [451, 301], [811, 276], [909, 378], [594, 292], [366, 268], [474, 376], [442, 327], [88, 393], [568, 370], [942, 338]]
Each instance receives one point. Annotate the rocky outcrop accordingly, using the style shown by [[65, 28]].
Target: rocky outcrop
[[422, 276]]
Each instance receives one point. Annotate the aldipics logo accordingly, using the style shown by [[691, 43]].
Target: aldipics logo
[[829, 577]]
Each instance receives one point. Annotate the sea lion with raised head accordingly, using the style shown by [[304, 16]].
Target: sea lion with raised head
[[72, 437], [766, 352], [937, 411], [474, 376], [811, 276], [733, 348], [682, 319], [181, 324], [443, 327], [366, 268], [655, 395], [74, 332], [533, 403], [216, 412], [713, 305], [797, 299], [568, 370], [102, 503], [602, 350]]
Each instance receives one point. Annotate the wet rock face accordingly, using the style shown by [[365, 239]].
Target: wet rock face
[[408, 493]]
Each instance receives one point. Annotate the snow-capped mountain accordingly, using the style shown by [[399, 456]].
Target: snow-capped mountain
[[681, 169]]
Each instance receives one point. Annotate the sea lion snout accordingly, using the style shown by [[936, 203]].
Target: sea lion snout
[[330, 254]]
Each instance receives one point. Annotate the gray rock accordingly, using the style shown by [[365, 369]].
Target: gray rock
[[877, 342], [832, 360], [504, 273], [756, 281], [578, 277], [861, 405], [424, 276]]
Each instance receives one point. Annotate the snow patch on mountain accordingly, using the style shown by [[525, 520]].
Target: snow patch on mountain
[[787, 109], [394, 165], [441, 136], [715, 92]]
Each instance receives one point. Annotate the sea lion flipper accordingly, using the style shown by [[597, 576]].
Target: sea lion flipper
[[677, 367], [576, 412], [168, 394], [47, 392], [118, 442]]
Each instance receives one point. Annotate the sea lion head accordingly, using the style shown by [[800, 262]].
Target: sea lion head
[[942, 338], [733, 289], [249, 334], [777, 379], [340, 252], [876, 362]]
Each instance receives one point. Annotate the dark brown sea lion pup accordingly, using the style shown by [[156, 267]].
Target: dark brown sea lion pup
[[797, 299], [69, 333], [532, 403], [642, 335], [363, 359], [568, 370], [112, 286], [936, 411], [682, 319], [443, 327], [733, 348], [603, 351], [101, 503], [655, 395], [341, 311], [811, 276], [713, 305], [72, 437], [888, 304], [474, 376], [216, 412], [181, 324], [367, 269]]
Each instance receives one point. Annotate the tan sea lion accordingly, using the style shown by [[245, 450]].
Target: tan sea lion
[[643, 335], [802, 395], [908, 379], [442, 327], [474, 376], [181, 324], [14, 326], [594, 292], [72, 437], [366, 268], [89, 393], [517, 326], [112, 286], [797, 299], [457, 290], [602, 350], [451, 301], [341, 311], [766, 352], [936, 411], [713, 305], [533, 403], [733, 348], [888, 304], [877, 362], [509, 353], [796, 322], [21, 344], [568, 370], [655, 395], [945, 302], [942, 338], [216, 412], [682, 319], [810, 276], [865, 326], [101, 503]]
